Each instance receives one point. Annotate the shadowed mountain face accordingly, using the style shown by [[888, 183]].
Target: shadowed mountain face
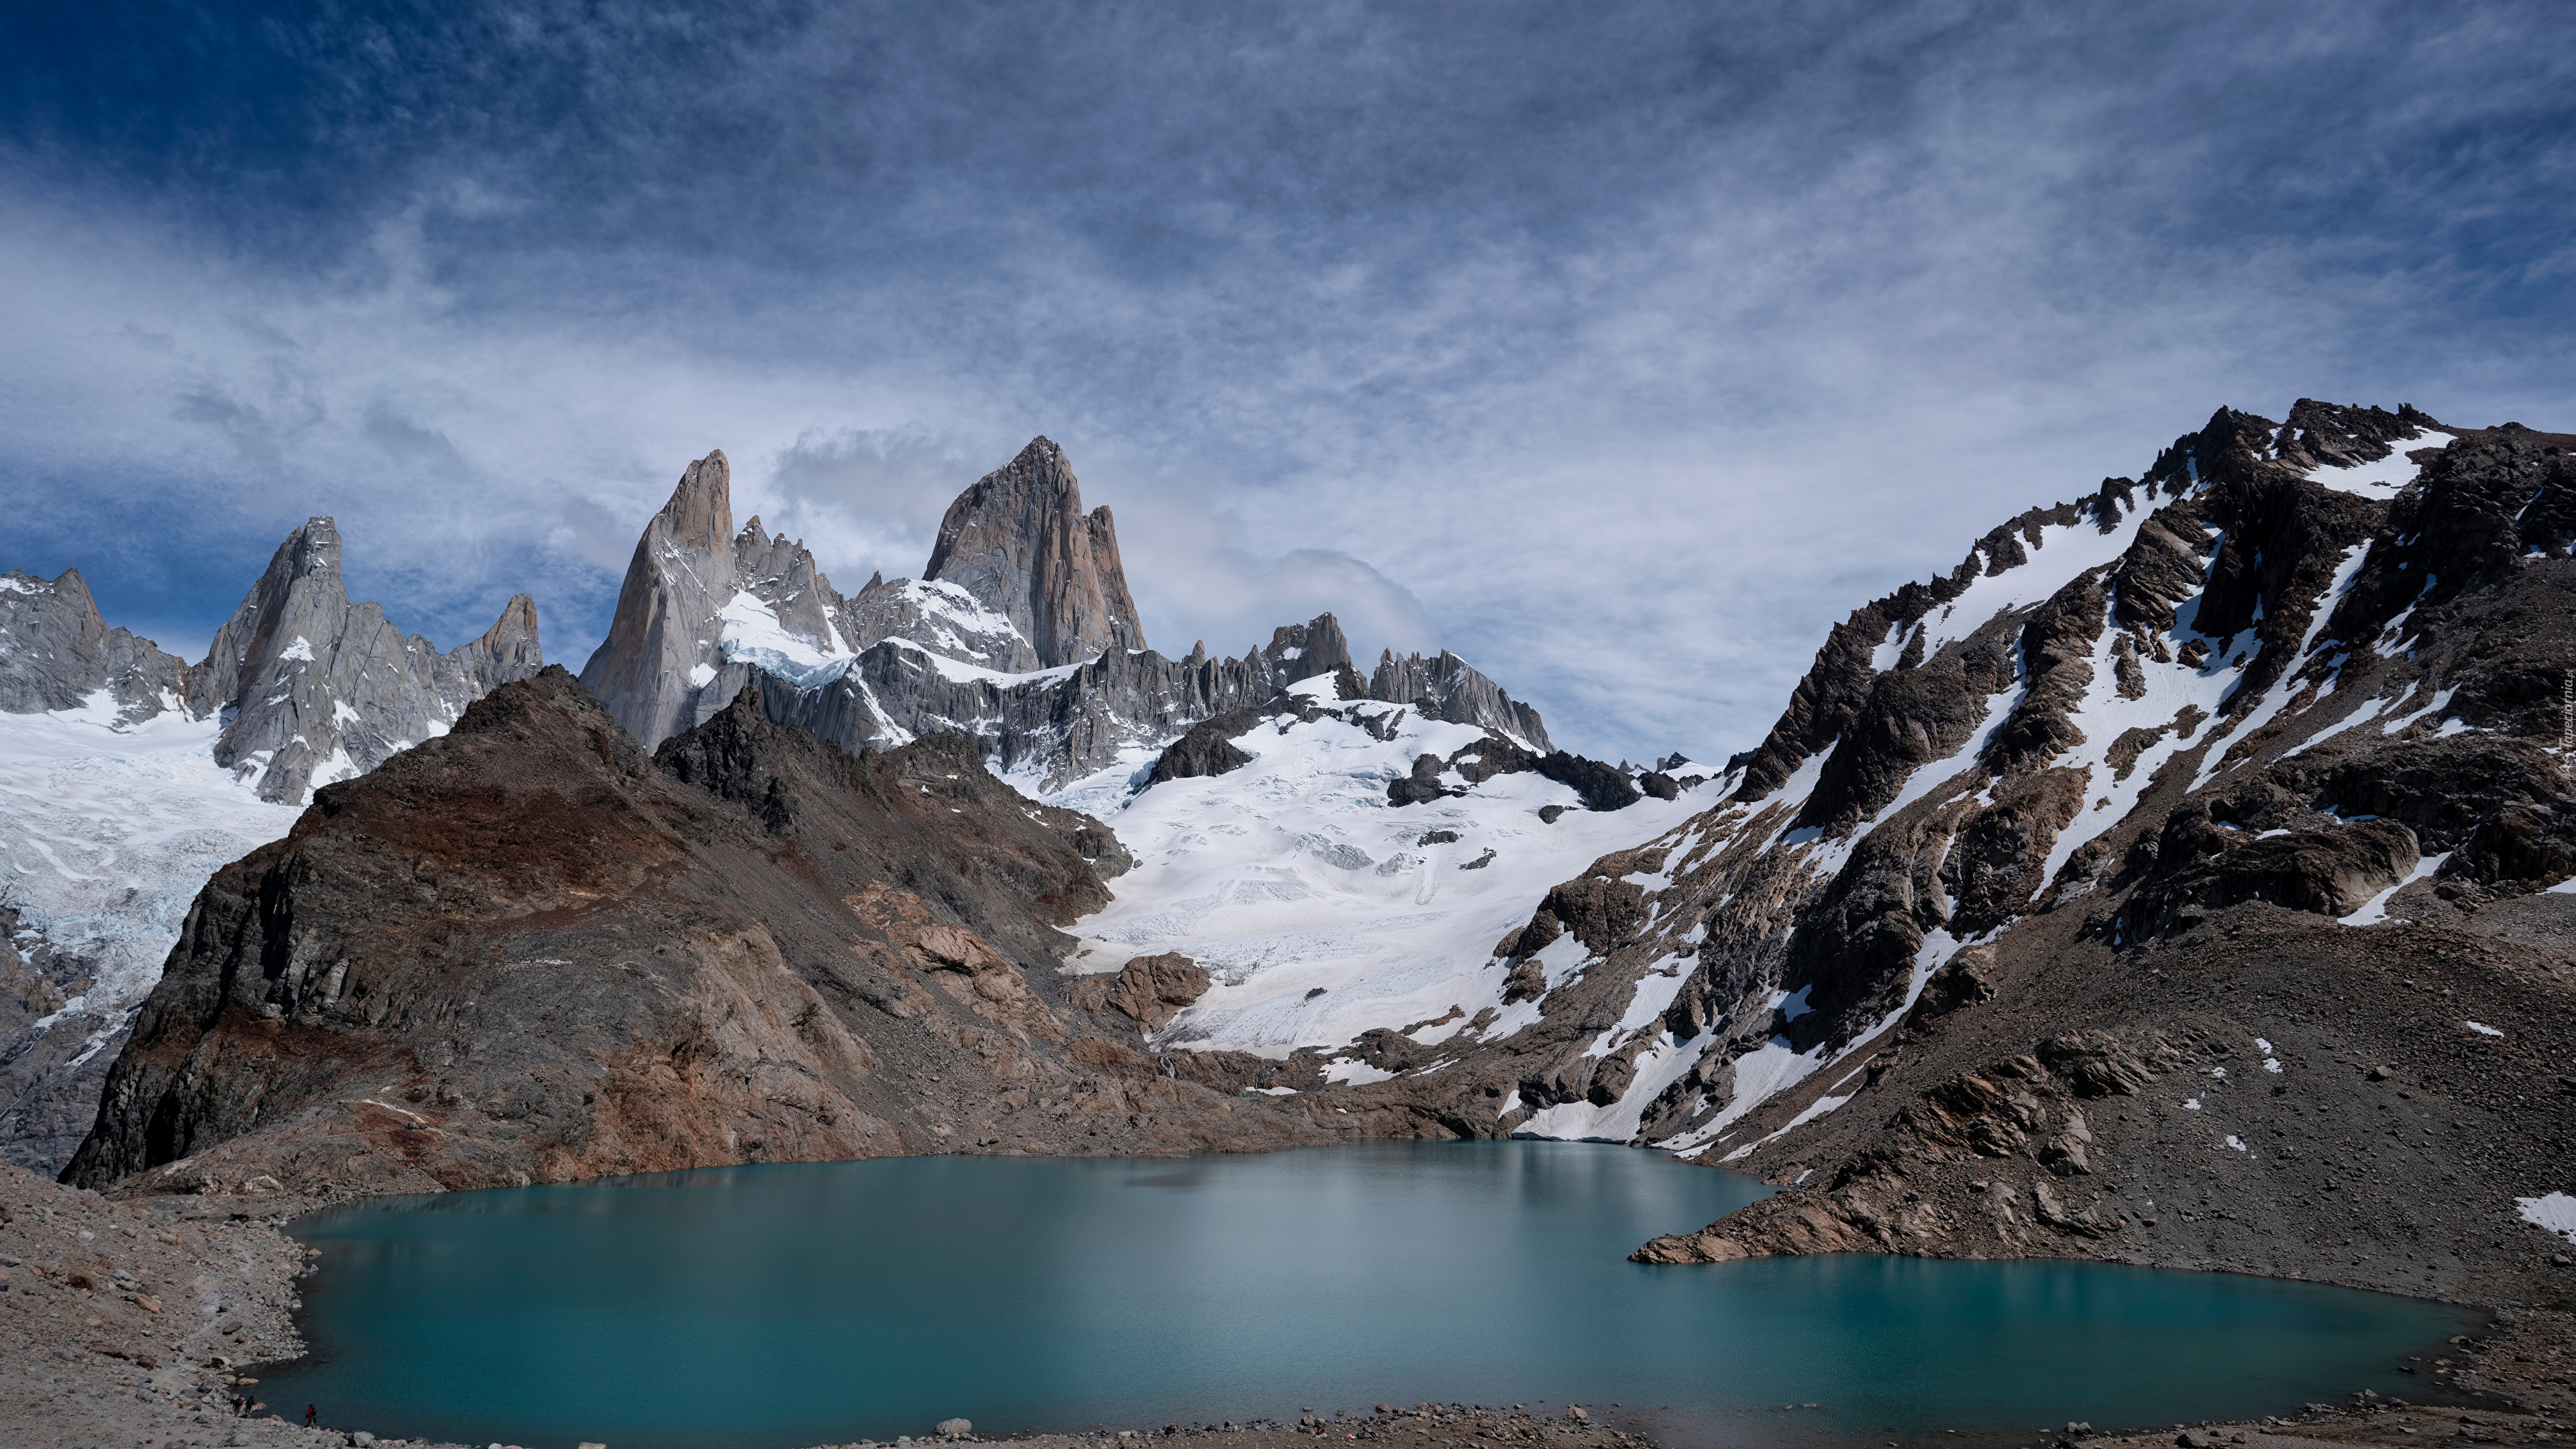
[[528, 951]]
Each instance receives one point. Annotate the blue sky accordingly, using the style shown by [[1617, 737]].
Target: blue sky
[[1620, 348]]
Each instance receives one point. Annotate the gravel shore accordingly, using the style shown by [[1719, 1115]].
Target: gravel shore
[[135, 1322]]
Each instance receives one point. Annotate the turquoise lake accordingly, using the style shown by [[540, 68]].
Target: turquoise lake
[[804, 1304]]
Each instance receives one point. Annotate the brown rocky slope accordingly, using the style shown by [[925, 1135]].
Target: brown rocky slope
[[529, 952]]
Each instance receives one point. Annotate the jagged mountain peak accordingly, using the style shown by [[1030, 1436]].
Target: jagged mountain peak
[[1021, 634], [699, 515], [313, 688], [1019, 542], [1448, 687]]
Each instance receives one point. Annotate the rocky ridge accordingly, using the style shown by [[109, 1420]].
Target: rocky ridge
[[1021, 635], [304, 682], [2198, 898], [529, 952], [127, 776]]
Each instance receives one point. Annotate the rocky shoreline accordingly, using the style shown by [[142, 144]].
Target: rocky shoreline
[[135, 1322]]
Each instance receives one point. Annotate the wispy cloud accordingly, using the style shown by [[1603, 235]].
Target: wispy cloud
[[1620, 349]]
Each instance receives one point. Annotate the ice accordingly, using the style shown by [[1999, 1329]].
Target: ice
[[2191, 1104], [2239, 1145], [2359, 717], [2553, 1212], [2063, 553], [1293, 873], [2375, 910], [1928, 778], [2482, 1029], [753, 635], [1890, 650], [2287, 687], [953, 616], [2565, 887], [108, 832], [2440, 701], [301, 648]]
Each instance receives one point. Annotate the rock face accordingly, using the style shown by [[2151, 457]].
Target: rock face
[[316, 689], [1019, 542], [1021, 636], [527, 951], [1449, 688], [307, 683], [56, 653], [2103, 866], [2122, 871], [1148, 990], [660, 653], [122, 786]]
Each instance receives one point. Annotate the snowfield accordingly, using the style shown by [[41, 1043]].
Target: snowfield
[[107, 834], [1316, 906]]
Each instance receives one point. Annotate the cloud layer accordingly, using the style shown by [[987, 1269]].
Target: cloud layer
[[1619, 348]]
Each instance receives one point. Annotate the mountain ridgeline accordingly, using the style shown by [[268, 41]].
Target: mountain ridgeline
[[1021, 634], [127, 774], [309, 687], [2198, 847]]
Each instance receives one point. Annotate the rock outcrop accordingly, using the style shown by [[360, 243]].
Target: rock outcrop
[[116, 805], [315, 689], [1024, 591], [527, 951], [1449, 688], [307, 684], [661, 651], [56, 653], [1019, 542]]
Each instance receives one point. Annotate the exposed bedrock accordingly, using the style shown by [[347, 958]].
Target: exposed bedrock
[[315, 689], [528, 951], [308, 685], [1023, 589], [1019, 541], [60, 653]]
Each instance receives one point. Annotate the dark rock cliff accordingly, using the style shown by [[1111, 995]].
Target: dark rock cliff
[[528, 951]]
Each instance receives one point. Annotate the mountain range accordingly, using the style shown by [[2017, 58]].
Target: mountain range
[[2197, 855]]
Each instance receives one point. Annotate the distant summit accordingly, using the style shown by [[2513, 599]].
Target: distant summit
[[1019, 541], [1021, 634]]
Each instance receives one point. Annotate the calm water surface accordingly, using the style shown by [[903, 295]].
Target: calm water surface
[[775, 1306]]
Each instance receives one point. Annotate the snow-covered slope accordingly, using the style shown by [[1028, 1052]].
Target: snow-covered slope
[[106, 834], [1966, 753], [127, 777], [1323, 911], [1972, 751]]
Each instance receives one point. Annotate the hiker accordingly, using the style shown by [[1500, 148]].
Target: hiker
[[308, 1416]]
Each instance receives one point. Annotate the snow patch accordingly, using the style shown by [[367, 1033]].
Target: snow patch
[[2553, 1212], [2375, 910]]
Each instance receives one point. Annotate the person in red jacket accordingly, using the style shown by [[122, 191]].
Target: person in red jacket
[[308, 1416]]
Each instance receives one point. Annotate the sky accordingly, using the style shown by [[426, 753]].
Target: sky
[[1622, 349]]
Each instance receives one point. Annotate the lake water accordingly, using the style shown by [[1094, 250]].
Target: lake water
[[803, 1304]]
